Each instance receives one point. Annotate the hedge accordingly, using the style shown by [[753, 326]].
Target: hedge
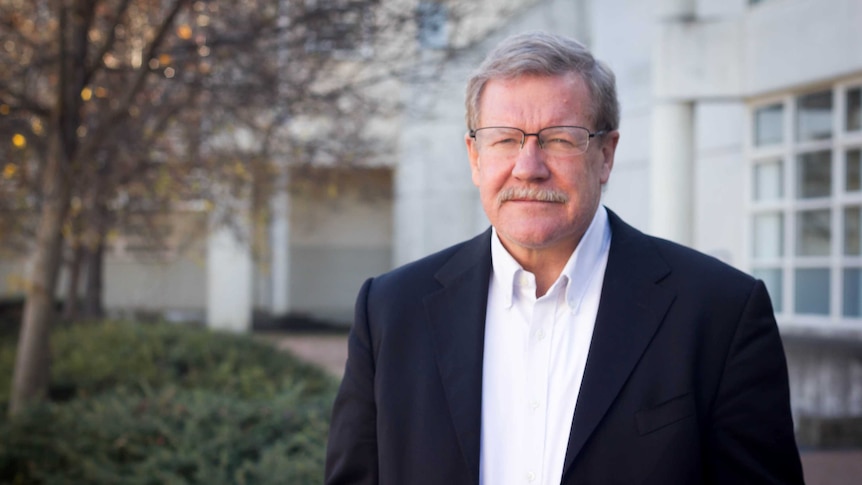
[[164, 404]]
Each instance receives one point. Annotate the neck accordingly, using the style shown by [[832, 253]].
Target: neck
[[545, 264]]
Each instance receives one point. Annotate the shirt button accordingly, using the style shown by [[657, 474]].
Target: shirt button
[[531, 477], [534, 405], [540, 335]]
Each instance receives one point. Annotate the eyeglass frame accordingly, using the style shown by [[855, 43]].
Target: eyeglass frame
[[590, 134]]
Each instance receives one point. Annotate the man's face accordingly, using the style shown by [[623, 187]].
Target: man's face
[[532, 103]]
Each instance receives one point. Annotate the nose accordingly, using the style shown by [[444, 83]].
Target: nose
[[530, 163]]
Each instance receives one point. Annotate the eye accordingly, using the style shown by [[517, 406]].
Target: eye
[[560, 141], [506, 141], [563, 139]]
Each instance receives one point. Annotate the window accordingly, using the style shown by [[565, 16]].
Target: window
[[806, 204]]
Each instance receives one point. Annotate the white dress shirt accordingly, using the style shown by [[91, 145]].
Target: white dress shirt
[[534, 358]]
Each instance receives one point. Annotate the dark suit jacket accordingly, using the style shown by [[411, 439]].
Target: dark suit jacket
[[685, 382]]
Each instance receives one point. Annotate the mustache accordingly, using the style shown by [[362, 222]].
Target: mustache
[[525, 193]]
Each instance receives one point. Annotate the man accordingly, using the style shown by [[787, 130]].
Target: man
[[562, 345]]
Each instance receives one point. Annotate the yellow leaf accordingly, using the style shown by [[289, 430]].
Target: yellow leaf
[[19, 140], [9, 171], [184, 32]]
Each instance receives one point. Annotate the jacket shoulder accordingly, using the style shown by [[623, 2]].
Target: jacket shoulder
[[430, 272], [686, 259], [671, 263]]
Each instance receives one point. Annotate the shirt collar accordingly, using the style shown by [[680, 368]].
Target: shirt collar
[[576, 274]]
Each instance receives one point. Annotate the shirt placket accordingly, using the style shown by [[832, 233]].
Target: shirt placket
[[538, 358]]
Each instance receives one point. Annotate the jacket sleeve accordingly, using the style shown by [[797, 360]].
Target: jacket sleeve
[[751, 436], [351, 454]]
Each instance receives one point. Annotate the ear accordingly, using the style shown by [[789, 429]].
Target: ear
[[473, 155], [608, 150]]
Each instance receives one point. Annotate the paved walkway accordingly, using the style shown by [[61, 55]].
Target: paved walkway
[[834, 467], [326, 350]]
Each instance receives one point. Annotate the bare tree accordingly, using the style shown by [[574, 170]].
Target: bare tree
[[72, 138], [129, 106]]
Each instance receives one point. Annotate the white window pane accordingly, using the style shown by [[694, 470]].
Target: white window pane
[[854, 109], [853, 169], [773, 279], [768, 180], [852, 295], [814, 116], [811, 292], [813, 233], [768, 125], [814, 175], [852, 219], [768, 235]]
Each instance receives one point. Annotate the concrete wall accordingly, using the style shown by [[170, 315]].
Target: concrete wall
[[12, 274], [171, 283], [719, 180], [620, 34], [336, 243], [175, 288]]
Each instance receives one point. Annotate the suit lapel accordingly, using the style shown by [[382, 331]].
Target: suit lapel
[[456, 313], [630, 311]]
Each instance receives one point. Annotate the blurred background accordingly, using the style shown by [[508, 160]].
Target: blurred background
[[244, 166]]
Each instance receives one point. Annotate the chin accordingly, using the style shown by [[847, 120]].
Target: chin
[[533, 239]]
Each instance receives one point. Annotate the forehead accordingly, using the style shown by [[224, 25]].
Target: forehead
[[534, 100]]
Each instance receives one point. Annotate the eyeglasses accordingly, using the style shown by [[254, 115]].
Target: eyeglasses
[[561, 141]]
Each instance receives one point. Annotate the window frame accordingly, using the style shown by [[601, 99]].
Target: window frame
[[790, 205]]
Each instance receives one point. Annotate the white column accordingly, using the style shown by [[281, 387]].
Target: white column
[[279, 230], [230, 271], [671, 171], [672, 142], [280, 248]]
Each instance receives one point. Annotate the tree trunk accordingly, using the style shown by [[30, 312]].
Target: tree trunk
[[93, 298], [71, 303], [32, 362]]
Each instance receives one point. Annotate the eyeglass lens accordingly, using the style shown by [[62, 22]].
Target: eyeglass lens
[[555, 140]]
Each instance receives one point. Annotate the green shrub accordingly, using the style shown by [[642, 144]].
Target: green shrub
[[93, 357], [166, 404], [172, 436]]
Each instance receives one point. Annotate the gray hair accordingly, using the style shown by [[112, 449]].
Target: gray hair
[[543, 54]]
